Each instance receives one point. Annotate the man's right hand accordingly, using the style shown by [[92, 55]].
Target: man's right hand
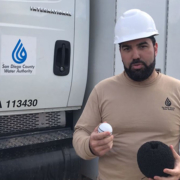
[[100, 143]]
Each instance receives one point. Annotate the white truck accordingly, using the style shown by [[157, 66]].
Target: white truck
[[43, 72], [44, 48]]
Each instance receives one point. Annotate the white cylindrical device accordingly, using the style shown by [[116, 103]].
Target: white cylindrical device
[[105, 127]]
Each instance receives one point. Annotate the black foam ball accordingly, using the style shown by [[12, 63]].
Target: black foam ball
[[153, 157]]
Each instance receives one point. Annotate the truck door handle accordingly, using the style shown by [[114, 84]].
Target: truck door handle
[[62, 58]]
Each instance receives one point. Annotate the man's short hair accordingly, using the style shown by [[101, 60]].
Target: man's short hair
[[153, 40]]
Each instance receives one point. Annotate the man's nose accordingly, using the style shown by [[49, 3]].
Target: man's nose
[[135, 54]]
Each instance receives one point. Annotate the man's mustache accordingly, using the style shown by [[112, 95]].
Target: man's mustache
[[136, 61]]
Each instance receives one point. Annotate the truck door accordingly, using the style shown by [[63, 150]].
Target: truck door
[[36, 54]]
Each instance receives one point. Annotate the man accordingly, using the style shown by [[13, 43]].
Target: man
[[140, 104]]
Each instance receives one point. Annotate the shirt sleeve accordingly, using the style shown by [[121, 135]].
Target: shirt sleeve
[[89, 120]]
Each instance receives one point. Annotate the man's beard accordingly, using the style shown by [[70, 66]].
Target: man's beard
[[140, 74]]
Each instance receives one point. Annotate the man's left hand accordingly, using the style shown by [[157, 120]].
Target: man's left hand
[[175, 173]]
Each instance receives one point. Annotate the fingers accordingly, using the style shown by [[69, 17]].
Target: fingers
[[100, 147], [175, 171], [96, 129], [101, 150], [164, 178], [175, 154], [100, 143], [100, 136], [172, 172], [159, 178]]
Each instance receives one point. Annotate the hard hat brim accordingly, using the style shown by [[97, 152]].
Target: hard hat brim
[[134, 37]]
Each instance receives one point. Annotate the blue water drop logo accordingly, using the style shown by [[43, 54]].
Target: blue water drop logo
[[19, 54]]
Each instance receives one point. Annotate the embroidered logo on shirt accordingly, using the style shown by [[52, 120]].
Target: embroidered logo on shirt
[[168, 104]]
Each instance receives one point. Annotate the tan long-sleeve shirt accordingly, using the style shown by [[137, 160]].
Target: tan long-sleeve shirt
[[138, 112]]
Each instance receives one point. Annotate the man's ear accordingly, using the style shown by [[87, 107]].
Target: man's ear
[[156, 49]]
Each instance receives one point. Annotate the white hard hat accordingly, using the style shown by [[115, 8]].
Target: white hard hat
[[134, 24]]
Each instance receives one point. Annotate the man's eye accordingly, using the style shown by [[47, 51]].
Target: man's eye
[[126, 49], [142, 47]]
